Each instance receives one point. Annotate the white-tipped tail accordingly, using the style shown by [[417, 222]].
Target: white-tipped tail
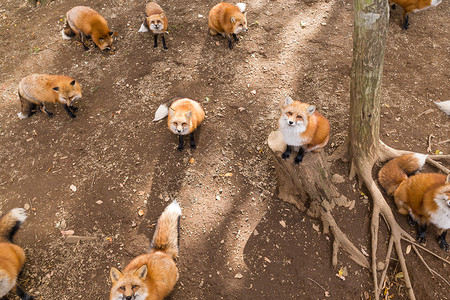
[[22, 116], [421, 158], [19, 214], [435, 2], [444, 105], [242, 6], [161, 112], [64, 36], [143, 28], [173, 208]]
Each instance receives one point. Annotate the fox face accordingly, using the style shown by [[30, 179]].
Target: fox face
[[129, 286], [68, 93], [296, 115], [180, 121], [156, 23], [239, 23], [104, 41]]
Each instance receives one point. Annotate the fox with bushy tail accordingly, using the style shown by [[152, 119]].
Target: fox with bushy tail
[[12, 257], [152, 276], [184, 116], [424, 197]]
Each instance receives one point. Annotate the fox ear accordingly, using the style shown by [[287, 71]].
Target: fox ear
[[142, 272], [162, 15], [311, 109], [288, 101], [72, 83], [448, 178], [188, 114], [56, 88], [233, 20], [110, 33], [171, 111], [115, 274]]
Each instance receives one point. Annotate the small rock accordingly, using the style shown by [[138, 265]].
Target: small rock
[[283, 223], [253, 92], [200, 16], [26, 206], [99, 202], [238, 276], [380, 265], [73, 188], [217, 197], [336, 178], [255, 232]]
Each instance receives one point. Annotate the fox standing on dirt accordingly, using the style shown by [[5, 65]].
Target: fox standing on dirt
[[302, 127], [412, 6], [86, 23], [156, 21], [425, 197], [152, 276], [12, 257], [38, 89], [185, 115], [228, 20]]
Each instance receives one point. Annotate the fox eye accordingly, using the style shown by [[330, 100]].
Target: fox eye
[[134, 286], [448, 202], [289, 114], [184, 124], [122, 288], [101, 40], [175, 124], [299, 117]]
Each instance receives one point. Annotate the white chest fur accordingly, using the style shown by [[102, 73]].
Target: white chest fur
[[291, 134], [442, 217]]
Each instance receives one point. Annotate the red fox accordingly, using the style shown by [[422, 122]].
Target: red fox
[[152, 276], [228, 20], [412, 6], [86, 23], [425, 197], [12, 257], [185, 115], [37, 89], [444, 106], [156, 21], [303, 127]]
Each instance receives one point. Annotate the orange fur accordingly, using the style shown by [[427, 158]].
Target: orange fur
[[226, 19], [86, 22], [152, 276], [155, 15], [179, 118], [39, 89], [412, 6]]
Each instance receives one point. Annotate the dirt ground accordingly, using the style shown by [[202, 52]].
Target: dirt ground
[[238, 241]]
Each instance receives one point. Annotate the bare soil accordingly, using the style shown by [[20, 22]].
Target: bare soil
[[121, 162]]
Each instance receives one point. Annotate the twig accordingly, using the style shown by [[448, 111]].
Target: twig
[[433, 272], [93, 179], [444, 141], [429, 142], [425, 249], [438, 165], [388, 258], [317, 284]]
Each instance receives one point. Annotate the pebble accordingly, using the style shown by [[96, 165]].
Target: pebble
[[26, 206]]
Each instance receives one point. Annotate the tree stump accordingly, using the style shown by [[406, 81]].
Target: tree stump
[[308, 186]]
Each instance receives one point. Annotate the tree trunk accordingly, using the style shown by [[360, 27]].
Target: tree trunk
[[369, 39]]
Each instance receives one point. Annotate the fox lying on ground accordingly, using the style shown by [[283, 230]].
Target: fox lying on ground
[[152, 276], [84, 22], [156, 21], [302, 127], [425, 197], [12, 257], [38, 89], [185, 115]]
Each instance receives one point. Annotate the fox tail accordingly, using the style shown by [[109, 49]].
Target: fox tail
[[10, 223]]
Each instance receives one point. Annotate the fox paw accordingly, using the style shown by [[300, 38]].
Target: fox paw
[[73, 108], [297, 160], [421, 240], [180, 148], [443, 245], [285, 155]]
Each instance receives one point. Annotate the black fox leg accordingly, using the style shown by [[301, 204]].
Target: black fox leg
[[44, 109], [286, 153], [69, 112], [421, 232], [164, 41], [441, 240], [298, 159], [22, 294], [192, 141], [393, 6], [411, 221], [180, 143], [235, 37], [73, 108], [83, 38], [406, 22], [155, 37], [230, 44]]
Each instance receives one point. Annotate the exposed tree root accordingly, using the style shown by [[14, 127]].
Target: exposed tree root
[[310, 189]]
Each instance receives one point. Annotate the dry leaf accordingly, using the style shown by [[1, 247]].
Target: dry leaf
[[192, 160], [228, 174], [67, 232], [398, 275], [408, 249], [141, 212], [283, 223], [266, 259]]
